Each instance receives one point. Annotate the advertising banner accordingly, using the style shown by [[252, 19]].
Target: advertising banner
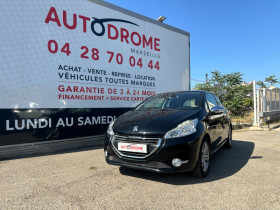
[[70, 67]]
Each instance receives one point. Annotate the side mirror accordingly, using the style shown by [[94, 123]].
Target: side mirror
[[218, 109]]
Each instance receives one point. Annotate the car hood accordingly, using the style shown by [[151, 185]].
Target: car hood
[[151, 122]]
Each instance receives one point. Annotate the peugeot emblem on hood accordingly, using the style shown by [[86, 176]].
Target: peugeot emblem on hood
[[135, 129]]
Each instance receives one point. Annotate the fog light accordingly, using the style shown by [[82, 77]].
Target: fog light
[[106, 153], [176, 162]]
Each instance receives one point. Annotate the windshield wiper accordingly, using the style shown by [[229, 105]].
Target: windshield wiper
[[165, 109]]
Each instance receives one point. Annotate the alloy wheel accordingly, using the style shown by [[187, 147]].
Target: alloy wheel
[[230, 137], [205, 156]]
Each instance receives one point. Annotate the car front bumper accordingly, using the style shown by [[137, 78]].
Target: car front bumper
[[185, 148]]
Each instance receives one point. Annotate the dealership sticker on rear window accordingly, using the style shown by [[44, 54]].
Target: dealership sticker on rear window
[[140, 148]]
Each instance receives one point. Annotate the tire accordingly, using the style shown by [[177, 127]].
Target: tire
[[201, 168], [228, 143]]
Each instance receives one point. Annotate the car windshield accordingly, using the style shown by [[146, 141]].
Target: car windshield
[[169, 101]]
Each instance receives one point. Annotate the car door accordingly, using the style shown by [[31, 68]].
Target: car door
[[215, 120], [225, 120]]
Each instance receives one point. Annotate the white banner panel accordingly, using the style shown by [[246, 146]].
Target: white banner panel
[[80, 54]]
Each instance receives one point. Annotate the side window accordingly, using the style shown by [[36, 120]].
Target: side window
[[219, 102], [211, 101]]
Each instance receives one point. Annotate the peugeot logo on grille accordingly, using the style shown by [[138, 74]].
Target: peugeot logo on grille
[[135, 129]]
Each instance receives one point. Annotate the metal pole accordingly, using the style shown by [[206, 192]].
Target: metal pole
[[264, 99], [255, 104], [270, 100], [275, 105], [279, 98], [261, 99], [258, 107]]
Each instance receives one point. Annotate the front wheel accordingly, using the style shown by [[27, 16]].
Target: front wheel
[[228, 143], [201, 168]]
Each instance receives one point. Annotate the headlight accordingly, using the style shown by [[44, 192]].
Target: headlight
[[110, 129], [186, 128]]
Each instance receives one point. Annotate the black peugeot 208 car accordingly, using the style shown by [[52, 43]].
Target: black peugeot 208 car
[[169, 132]]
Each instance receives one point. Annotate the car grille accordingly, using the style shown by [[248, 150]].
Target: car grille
[[153, 145]]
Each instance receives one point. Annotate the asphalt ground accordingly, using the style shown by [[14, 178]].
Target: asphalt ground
[[245, 177]]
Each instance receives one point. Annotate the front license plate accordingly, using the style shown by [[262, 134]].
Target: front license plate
[[129, 147]]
